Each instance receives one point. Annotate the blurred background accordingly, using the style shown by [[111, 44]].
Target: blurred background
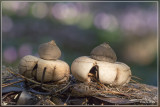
[[77, 27]]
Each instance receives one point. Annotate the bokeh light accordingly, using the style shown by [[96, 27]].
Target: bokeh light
[[24, 50], [11, 6], [141, 52], [139, 22], [39, 10], [10, 54], [65, 12], [7, 24], [106, 22]]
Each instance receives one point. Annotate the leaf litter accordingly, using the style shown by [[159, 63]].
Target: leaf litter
[[19, 90]]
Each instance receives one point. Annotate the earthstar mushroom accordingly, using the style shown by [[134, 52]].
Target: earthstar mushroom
[[107, 70], [54, 70]]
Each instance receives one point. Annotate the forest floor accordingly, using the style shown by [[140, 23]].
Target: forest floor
[[19, 90]]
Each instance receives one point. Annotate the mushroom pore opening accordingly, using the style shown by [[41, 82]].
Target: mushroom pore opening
[[94, 73]]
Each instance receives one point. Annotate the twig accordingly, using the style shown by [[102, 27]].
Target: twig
[[134, 81], [44, 71], [141, 85], [136, 77], [99, 83], [28, 78], [9, 103], [8, 84], [114, 92], [35, 85], [63, 87], [67, 99], [3, 97], [49, 101]]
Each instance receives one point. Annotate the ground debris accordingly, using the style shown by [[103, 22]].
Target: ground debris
[[128, 94], [74, 92]]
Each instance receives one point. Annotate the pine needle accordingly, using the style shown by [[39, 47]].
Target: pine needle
[[134, 81], [47, 85], [8, 84], [136, 77]]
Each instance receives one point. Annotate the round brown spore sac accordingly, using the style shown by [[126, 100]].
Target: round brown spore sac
[[49, 51], [103, 52]]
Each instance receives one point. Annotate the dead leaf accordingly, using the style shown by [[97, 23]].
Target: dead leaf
[[115, 100]]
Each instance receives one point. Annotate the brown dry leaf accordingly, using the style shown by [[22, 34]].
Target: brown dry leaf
[[115, 100]]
